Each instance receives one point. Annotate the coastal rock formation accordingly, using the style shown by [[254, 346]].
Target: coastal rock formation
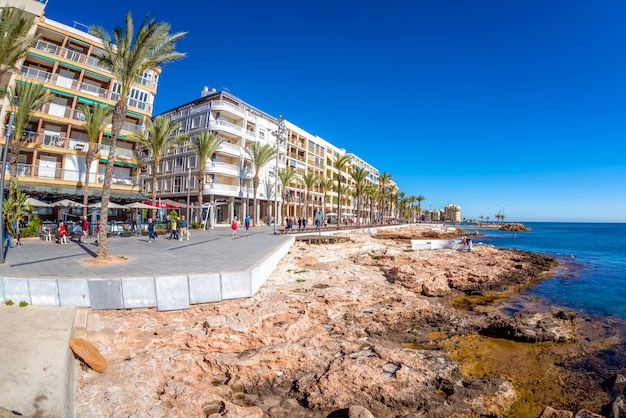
[[556, 326], [514, 227], [332, 328]]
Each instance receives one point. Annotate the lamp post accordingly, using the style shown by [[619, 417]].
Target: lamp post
[[188, 191], [280, 135], [9, 132]]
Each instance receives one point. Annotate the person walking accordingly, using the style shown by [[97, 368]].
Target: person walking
[[7, 242], [61, 233], [184, 229], [97, 230], [18, 234], [233, 226], [174, 228], [151, 233], [85, 228], [247, 223]]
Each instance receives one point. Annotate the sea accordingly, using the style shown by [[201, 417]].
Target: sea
[[591, 277]]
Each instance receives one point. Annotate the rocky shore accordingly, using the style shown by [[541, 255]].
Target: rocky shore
[[363, 328]]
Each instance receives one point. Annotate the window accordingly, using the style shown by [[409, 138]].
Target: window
[[196, 122], [262, 133], [191, 162], [178, 185]]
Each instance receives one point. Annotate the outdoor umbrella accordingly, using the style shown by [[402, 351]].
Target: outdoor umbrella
[[66, 203], [112, 205], [37, 203], [138, 205]]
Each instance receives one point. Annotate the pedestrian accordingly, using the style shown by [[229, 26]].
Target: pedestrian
[[247, 223], [174, 228], [184, 229], [299, 223], [18, 233], [151, 233], [233, 226], [97, 230], [61, 232], [6, 240], [85, 228], [304, 223]]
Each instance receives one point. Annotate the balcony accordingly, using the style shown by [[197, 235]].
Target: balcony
[[221, 105], [82, 87], [222, 168], [70, 55], [54, 173], [223, 125], [231, 149], [227, 190]]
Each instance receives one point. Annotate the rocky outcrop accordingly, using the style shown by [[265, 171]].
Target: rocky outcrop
[[514, 227], [559, 326]]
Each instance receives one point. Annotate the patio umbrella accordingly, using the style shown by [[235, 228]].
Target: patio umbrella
[[112, 205], [37, 203], [331, 214], [66, 203], [137, 205], [173, 203]]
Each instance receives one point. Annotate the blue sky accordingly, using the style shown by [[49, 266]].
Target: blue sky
[[517, 106]]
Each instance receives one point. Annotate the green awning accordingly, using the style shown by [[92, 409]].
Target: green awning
[[97, 75], [134, 114], [42, 57], [119, 163], [119, 136], [62, 93], [76, 67]]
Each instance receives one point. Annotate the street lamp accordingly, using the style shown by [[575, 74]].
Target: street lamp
[[281, 135], [9, 132]]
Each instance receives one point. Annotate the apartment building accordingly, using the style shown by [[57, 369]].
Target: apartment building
[[54, 143], [227, 191]]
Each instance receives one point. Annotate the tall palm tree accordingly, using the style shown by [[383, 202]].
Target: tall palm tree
[[359, 175], [286, 176], [158, 139], [326, 185], [204, 145], [370, 192], [96, 119], [26, 99], [14, 38], [128, 57], [383, 184], [341, 164], [260, 156], [419, 199], [309, 181]]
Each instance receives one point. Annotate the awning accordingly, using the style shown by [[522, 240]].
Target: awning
[[119, 163]]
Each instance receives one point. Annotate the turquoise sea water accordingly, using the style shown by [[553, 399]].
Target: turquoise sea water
[[592, 275]]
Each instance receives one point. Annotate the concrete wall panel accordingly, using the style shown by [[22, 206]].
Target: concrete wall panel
[[236, 285], [205, 288], [139, 293], [17, 290], [172, 293], [74, 292], [44, 292], [106, 294]]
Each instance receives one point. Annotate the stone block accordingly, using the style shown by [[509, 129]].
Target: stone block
[[44, 292], [89, 354], [236, 285], [105, 294], [139, 293], [205, 288], [172, 293], [74, 292]]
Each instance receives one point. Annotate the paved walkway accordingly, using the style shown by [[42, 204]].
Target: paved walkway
[[213, 251]]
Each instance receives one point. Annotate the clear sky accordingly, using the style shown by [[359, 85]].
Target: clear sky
[[514, 106]]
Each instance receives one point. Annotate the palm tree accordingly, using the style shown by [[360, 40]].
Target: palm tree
[[309, 181], [286, 176], [370, 192], [96, 119], [326, 185], [204, 145], [419, 199], [14, 38], [26, 99], [260, 156], [383, 183], [159, 138], [341, 164], [128, 57], [359, 175]]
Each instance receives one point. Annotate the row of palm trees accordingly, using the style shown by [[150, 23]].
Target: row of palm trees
[[128, 54]]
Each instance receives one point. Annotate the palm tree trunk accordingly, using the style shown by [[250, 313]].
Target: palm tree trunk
[[118, 119], [200, 190], [86, 183], [155, 164]]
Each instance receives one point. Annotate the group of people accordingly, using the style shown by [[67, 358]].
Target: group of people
[[179, 228], [234, 226]]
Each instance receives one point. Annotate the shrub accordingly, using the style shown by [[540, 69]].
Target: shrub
[[23, 303], [32, 229], [9, 302], [195, 225]]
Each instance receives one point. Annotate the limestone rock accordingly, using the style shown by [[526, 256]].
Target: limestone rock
[[89, 354], [583, 413], [550, 412], [357, 411]]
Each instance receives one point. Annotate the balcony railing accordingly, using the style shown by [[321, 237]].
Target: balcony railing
[[56, 173], [227, 189], [70, 55], [75, 85], [222, 168], [222, 124]]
